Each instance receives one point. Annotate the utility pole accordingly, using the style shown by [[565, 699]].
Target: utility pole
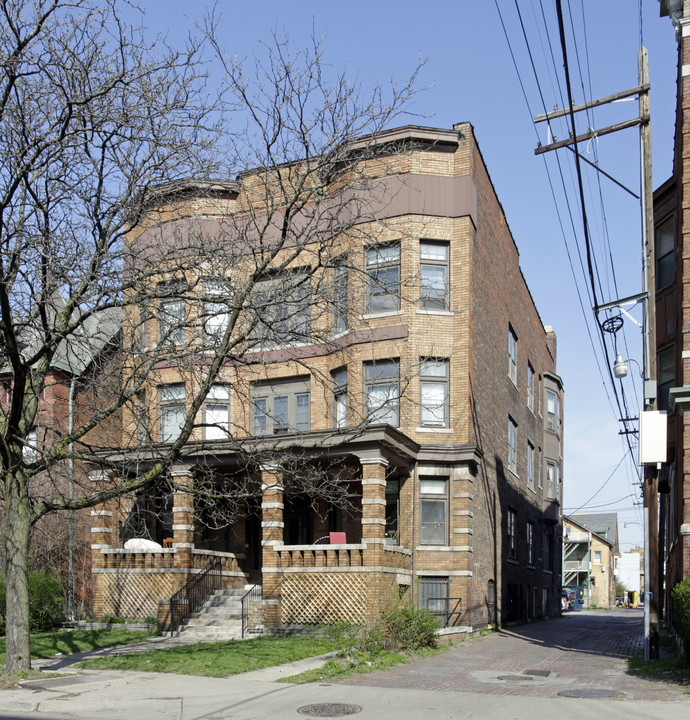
[[650, 483]]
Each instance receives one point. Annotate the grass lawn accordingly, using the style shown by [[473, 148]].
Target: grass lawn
[[218, 659], [45, 645]]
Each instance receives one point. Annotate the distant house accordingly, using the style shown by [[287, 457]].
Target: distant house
[[431, 392], [590, 546]]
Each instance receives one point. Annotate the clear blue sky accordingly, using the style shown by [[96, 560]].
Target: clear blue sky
[[471, 77]]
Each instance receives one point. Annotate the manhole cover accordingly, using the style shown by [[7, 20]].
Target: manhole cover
[[329, 710], [537, 673], [515, 678], [589, 693]]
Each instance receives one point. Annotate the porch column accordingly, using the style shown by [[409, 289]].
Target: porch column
[[373, 508], [183, 516], [101, 539], [272, 525]]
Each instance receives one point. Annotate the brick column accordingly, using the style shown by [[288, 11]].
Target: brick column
[[272, 525], [373, 508], [101, 539], [183, 517]]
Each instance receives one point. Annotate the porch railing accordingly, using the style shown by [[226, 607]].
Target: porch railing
[[192, 596], [452, 608], [250, 624]]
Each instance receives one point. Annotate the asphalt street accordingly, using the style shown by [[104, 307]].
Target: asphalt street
[[572, 665]]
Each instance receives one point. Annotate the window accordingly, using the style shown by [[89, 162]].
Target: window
[[215, 310], [433, 595], [664, 248], [382, 379], [217, 413], [530, 465], [550, 481], [282, 307], [383, 269], [512, 445], [530, 543], [434, 275], [141, 418], [597, 556], [552, 411], [171, 314], [339, 378], [548, 549], [434, 497], [281, 407], [511, 536], [666, 375], [340, 296], [172, 411], [30, 449], [434, 392], [512, 355], [530, 387], [392, 511]]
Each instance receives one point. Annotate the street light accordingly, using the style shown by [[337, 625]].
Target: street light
[[620, 367]]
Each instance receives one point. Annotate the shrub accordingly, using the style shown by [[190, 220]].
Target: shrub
[[402, 627], [681, 607], [45, 602]]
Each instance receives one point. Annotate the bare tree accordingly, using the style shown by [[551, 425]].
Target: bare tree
[[99, 131]]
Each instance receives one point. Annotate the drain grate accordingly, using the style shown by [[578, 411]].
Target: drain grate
[[590, 693], [537, 673], [329, 710]]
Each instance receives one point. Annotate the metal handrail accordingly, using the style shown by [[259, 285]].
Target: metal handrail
[[191, 596], [254, 594], [446, 614]]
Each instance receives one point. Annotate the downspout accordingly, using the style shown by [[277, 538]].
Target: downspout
[[414, 536], [70, 571]]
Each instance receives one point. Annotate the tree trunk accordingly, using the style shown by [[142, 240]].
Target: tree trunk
[[18, 527]]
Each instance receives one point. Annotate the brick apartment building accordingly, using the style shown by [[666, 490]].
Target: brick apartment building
[[430, 393], [673, 342]]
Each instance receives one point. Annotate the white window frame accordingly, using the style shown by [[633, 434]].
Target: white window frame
[[172, 314], [511, 458], [382, 392], [434, 257], [434, 392], [383, 274], [340, 295], [216, 316], [217, 413], [512, 355], [340, 400], [281, 407], [282, 309], [433, 493], [530, 386], [531, 456], [551, 480], [552, 411], [172, 411]]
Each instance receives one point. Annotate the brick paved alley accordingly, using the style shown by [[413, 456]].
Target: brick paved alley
[[579, 653]]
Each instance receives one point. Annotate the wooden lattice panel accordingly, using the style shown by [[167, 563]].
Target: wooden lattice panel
[[134, 595], [323, 598]]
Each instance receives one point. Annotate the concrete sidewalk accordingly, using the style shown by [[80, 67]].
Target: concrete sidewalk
[[483, 677]]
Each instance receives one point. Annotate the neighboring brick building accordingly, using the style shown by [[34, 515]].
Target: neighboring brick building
[[431, 393], [672, 233]]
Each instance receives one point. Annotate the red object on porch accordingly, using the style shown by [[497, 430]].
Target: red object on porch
[[338, 538]]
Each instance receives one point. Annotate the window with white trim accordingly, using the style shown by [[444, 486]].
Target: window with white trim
[[340, 295], [530, 465], [382, 388], [282, 309], [383, 270], [511, 536], [552, 411], [530, 543], [217, 413], [512, 445], [434, 275], [171, 313], [215, 310], [434, 504], [433, 383], [280, 407], [340, 404], [30, 449], [171, 411], [512, 355], [550, 481], [530, 387]]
